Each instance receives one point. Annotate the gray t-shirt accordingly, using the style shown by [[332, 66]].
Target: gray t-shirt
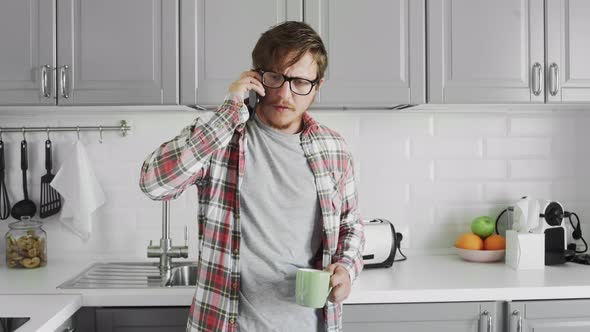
[[280, 232]]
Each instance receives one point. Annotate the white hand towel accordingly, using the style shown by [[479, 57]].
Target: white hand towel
[[82, 193]]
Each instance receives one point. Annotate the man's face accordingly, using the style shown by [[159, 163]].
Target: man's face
[[281, 108]]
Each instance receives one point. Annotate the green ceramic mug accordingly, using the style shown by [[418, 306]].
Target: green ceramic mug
[[312, 287]]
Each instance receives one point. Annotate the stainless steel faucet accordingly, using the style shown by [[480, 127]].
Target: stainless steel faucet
[[165, 251]]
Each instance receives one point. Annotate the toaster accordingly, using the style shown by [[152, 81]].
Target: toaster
[[381, 243]]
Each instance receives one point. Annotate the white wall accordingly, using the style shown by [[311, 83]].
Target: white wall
[[430, 172]]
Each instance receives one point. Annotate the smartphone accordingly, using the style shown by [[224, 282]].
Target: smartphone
[[253, 99]]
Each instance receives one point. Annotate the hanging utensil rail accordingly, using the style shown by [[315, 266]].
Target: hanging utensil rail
[[123, 128]]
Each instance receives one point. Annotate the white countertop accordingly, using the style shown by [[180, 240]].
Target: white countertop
[[448, 278], [46, 312], [422, 278]]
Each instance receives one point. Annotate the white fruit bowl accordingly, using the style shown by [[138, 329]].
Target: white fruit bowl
[[481, 256]]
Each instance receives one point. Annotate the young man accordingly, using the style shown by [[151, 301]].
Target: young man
[[276, 193]]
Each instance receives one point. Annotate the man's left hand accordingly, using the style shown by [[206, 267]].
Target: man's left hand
[[340, 283]]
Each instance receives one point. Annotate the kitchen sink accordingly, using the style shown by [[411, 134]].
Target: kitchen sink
[[184, 275], [132, 275]]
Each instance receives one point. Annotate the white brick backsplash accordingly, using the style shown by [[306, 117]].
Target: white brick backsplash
[[514, 147], [509, 192], [565, 148], [568, 190], [542, 125], [463, 215], [470, 170], [384, 149], [429, 173], [395, 124], [470, 125], [541, 169], [445, 192], [445, 148], [377, 201], [410, 171], [436, 236]]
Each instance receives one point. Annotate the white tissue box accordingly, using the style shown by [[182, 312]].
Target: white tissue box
[[525, 250]]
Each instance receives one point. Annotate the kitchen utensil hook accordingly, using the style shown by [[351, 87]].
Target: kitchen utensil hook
[[78, 132], [24, 136], [47, 133], [100, 134], [0, 134]]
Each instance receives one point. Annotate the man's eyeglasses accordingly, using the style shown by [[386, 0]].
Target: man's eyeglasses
[[298, 85]]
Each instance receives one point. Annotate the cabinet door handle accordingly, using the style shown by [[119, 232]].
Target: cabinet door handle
[[554, 70], [45, 81], [537, 79], [488, 319], [519, 321], [63, 71]]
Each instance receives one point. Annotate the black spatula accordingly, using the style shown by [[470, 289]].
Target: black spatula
[[26, 207], [4, 201], [50, 198]]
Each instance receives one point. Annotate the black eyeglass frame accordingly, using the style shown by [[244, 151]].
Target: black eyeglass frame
[[288, 79]]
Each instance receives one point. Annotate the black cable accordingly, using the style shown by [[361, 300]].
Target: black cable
[[577, 233], [498, 219], [398, 244], [399, 249]]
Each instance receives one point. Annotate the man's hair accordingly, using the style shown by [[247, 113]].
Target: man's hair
[[289, 38]]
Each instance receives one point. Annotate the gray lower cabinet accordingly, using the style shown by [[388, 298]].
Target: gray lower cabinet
[[67, 326], [423, 317], [548, 316], [131, 319]]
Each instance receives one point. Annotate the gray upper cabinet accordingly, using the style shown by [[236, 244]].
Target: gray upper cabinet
[[482, 51], [216, 43], [117, 52], [103, 52], [568, 51], [27, 52], [509, 51], [375, 49]]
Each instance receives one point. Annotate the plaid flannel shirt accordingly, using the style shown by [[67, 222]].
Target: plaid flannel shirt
[[211, 155]]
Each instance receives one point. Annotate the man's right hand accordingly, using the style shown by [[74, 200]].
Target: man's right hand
[[249, 80]]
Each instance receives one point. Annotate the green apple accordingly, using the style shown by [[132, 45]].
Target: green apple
[[483, 226]]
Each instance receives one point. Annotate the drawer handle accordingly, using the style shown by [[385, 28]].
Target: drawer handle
[[519, 321], [45, 81], [63, 81], [537, 79], [554, 70], [488, 319]]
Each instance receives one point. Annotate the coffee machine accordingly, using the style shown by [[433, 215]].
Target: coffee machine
[[551, 223]]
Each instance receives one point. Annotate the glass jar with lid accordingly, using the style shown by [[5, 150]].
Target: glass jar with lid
[[26, 244]]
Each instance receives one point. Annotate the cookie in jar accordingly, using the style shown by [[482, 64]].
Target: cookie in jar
[[26, 244]]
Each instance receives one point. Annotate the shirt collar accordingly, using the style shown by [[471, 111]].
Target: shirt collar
[[309, 124]]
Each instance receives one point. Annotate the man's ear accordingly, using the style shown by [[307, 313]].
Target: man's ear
[[320, 83]]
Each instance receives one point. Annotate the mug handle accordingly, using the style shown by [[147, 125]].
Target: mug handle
[[328, 294]]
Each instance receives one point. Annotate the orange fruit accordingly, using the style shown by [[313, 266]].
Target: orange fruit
[[494, 242], [469, 241]]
